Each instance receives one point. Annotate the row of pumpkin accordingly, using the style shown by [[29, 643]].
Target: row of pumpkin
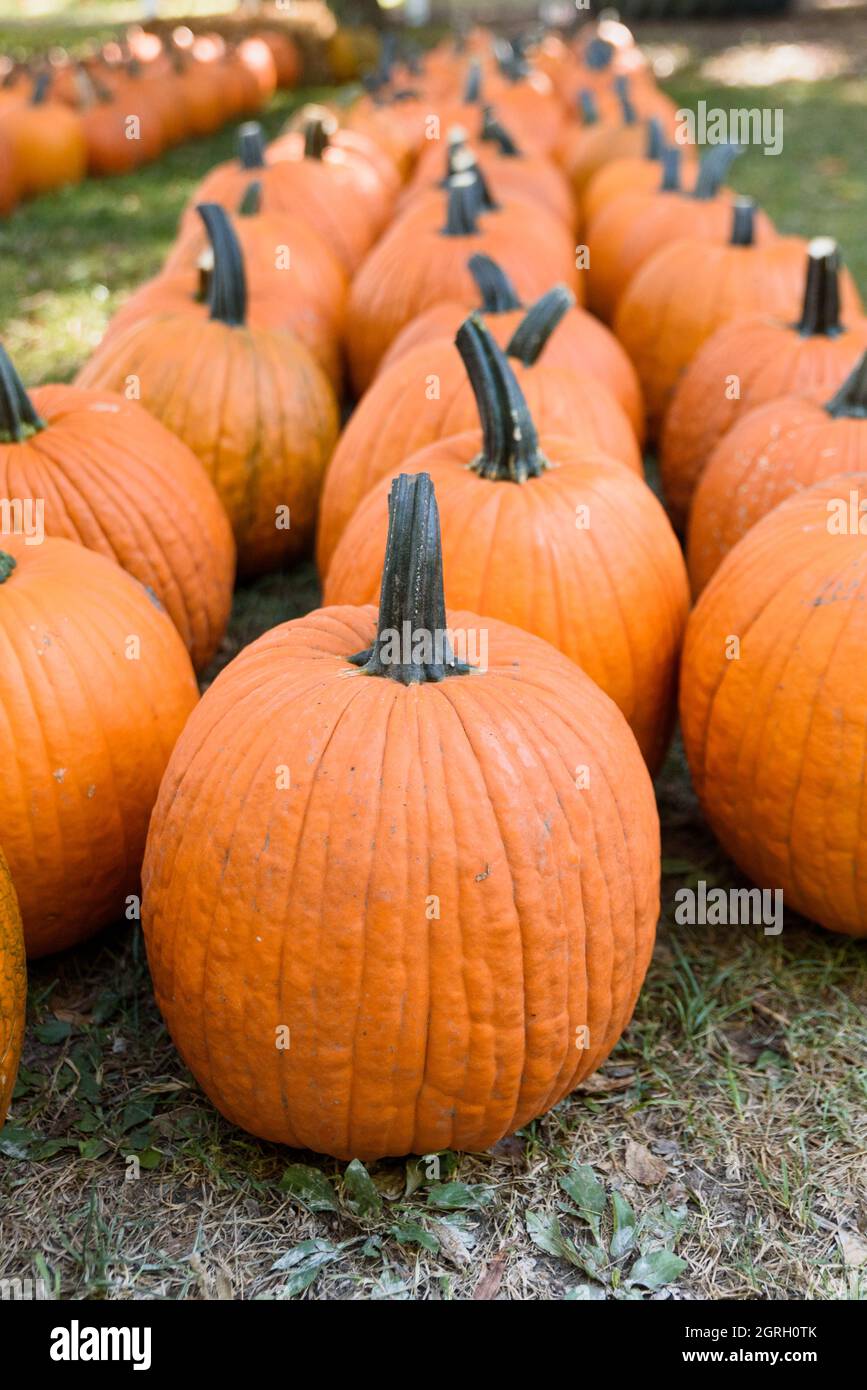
[[440, 875], [127, 102]]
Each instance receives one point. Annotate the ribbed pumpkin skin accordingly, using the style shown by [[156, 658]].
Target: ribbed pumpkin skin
[[115, 480], [776, 739], [306, 908], [86, 733], [579, 342], [13, 987], [251, 404], [613, 597], [770, 359], [395, 419], [775, 450], [526, 175], [689, 289]]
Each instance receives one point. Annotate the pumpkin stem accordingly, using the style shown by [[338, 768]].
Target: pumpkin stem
[[492, 129], [850, 401], [18, 418], [316, 137], [412, 640], [251, 203], [743, 222], [655, 139], [598, 54], [41, 89], [463, 206], [628, 113], [496, 289], [510, 450], [473, 86], [251, 145], [670, 160], [7, 565], [228, 288], [532, 334], [588, 108], [821, 311], [714, 169]]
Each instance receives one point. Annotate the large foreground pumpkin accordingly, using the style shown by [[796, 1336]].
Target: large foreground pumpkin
[[774, 702], [385, 909], [95, 686], [13, 987]]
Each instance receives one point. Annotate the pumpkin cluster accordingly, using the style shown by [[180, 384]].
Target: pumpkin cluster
[[399, 864]]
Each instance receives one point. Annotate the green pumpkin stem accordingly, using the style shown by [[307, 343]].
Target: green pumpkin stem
[[251, 145], [850, 402], [7, 565], [18, 417], [463, 206], [510, 450], [498, 294], [251, 203], [820, 315], [713, 170], [412, 609], [743, 222], [227, 293], [533, 332]]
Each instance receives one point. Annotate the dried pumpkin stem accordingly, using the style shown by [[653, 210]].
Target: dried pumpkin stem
[[251, 203], [821, 312], [498, 294], [227, 293], [533, 332], [316, 137], [412, 643], [510, 450], [463, 206], [743, 222], [628, 113], [850, 402], [18, 417], [670, 160], [587, 107], [493, 130], [473, 85], [655, 139], [251, 145], [41, 89], [714, 169]]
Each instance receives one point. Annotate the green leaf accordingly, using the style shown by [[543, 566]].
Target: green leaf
[[309, 1186], [585, 1292], [53, 1031], [410, 1233], [587, 1192], [15, 1143], [306, 1261], [93, 1148], [150, 1158], [545, 1232], [623, 1238], [359, 1191], [455, 1196], [656, 1269], [137, 1112]]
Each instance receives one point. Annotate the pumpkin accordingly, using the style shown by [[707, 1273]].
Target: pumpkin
[[325, 192], [427, 395], [95, 686], [551, 535], [580, 341], [293, 282], [585, 149], [47, 140], [689, 288], [203, 95], [287, 59], [10, 183], [771, 452], [622, 237], [13, 988], [806, 356], [416, 263], [250, 402], [775, 738], [638, 173], [114, 479], [260, 69], [356, 147], [397, 1044]]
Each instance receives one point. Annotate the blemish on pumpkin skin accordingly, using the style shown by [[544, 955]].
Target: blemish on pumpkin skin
[[91, 791], [480, 878], [59, 773]]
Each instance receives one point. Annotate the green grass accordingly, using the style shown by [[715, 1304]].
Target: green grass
[[743, 1073]]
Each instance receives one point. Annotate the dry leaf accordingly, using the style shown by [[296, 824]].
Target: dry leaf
[[854, 1248], [489, 1284], [451, 1245], [642, 1166], [598, 1083]]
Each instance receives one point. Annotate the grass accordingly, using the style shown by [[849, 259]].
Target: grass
[[718, 1152]]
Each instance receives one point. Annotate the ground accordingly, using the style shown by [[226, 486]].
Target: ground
[[722, 1150]]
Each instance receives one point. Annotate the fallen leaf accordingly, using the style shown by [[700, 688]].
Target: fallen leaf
[[598, 1083], [451, 1244], [853, 1247], [643, 1166], [489, 1283]]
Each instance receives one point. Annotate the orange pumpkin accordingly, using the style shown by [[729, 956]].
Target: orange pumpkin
[[775, 738], [427, 395], [13, 988], [615, 593], [809, 356], [114, 479], [251, 403], [585, 149], [95, 686], [47, 140], [689, 288], [771, 452], [414, 1051], [638, 174]]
